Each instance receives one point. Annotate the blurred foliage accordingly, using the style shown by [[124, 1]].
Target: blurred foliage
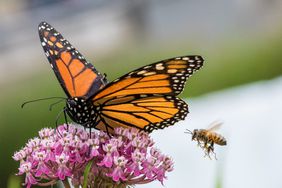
[[227, 66], [14, 182]]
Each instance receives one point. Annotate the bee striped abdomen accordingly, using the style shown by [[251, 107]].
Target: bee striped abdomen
[[220, 140]]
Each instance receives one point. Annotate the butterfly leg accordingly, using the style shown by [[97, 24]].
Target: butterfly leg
[[108, 133], [90, 131], [66, 119], [93, 125], [106, 126], [57, 120]]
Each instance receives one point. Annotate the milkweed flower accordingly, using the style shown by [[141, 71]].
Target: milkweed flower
[[124, 159]]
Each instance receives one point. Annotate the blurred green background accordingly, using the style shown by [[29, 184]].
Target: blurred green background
[[240, 41]]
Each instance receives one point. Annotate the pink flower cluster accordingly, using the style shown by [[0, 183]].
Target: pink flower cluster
[[126, 158]]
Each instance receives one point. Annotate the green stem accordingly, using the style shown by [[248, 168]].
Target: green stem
[[86, 172], [66, 183]]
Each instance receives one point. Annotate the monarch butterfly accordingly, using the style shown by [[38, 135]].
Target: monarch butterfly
[[144, 98]]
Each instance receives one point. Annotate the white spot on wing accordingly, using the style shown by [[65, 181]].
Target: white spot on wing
[[141, 72]]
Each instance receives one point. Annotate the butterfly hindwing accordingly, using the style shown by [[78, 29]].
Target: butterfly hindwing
[[77, 77], [143, 112]]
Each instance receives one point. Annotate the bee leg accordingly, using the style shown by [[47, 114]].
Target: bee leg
[[208, 147], [205, 146], [215, 155], [207, 153], [212, 150], [211, 145], [199, 143], [206, 150]]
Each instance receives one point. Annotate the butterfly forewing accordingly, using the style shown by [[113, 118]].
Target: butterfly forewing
[[78, 77], [166, 77]]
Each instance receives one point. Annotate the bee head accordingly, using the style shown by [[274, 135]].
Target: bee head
[[195, 134]]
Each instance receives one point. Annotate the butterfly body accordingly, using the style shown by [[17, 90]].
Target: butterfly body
[[144, 98], [81, 111]]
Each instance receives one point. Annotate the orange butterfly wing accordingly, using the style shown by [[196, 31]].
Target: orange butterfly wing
[[77, 77], [145, 98], [166, 77], [146, 113]]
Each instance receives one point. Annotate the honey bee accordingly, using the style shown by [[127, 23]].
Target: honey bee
[[206, 138]]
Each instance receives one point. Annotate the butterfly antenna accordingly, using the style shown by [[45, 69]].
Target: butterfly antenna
[[41, 99], [51, 105]]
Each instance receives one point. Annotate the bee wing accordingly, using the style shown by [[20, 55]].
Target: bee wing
[[214, 126]]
